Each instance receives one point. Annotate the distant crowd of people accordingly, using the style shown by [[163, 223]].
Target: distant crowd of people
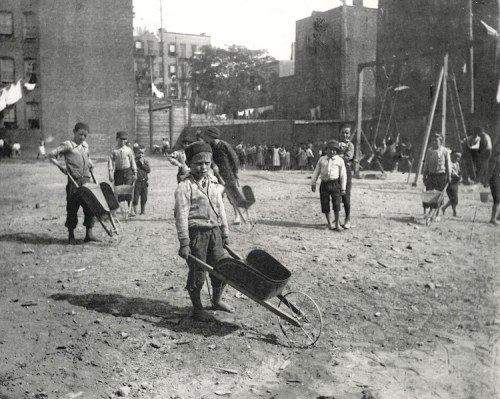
[[9, 149]]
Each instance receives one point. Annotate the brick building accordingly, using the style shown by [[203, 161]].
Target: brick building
[[328, 47], [81, 73], [412, 41]]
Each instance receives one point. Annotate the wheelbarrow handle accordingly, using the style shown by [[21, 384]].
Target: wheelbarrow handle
[[234, 254], [92, 174]]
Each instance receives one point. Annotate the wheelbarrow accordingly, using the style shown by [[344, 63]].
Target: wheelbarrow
[[262, 278], [433, 198], [102, 201], [241, 199]]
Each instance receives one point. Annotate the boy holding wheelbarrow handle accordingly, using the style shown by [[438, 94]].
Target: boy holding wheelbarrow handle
[[77, 166], [201, 225]]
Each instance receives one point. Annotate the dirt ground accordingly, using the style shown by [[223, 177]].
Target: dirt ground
[[409, 311]]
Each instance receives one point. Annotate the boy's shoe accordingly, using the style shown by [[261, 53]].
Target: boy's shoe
[[143, 210], [347, 225], [71, 237]]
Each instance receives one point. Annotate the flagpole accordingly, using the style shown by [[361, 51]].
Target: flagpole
[[164, 80], [471, 60]]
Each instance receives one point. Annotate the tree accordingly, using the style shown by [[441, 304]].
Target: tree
[[235, 78]]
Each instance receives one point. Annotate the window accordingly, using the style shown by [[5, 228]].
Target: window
[[139, 47], [172, 70], [6, 70], [171, 49], [33, 115], [193, 49], [183, 50], [185, 90], [6, 24], [173, 90], [151, 48], [30, 26], [9, 117], [30, 70]]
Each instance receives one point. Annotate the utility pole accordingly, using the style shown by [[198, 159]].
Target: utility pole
[[343, 65], [471, 61], [162, 49], [444, 98]]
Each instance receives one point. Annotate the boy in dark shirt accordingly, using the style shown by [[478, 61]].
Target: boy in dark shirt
[[141, 185]]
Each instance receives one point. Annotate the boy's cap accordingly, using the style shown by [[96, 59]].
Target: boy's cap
[[195, 148], [121, 135], [437, 136], [333, 144], [81, 125], [212, 132]]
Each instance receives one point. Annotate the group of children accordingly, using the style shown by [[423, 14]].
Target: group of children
[[200, 217]]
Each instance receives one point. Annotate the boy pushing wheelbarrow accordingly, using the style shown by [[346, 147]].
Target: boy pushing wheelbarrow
[[436, 176]]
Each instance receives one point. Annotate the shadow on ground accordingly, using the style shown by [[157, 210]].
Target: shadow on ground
[[31, 238], [149, 310], [284, 223]]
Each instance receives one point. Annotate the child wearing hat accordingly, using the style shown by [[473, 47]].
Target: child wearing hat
[[456, 177], [121, 163], [332, 171], [201, 225], [141, 185]]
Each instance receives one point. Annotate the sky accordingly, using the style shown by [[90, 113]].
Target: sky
[[255, 24]]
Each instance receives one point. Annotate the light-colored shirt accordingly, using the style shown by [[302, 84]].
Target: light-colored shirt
[[122, 158], [198, 204], [77, 158], [330, 169], [437, 161]]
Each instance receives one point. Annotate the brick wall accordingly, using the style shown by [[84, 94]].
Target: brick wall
[[87, 69]]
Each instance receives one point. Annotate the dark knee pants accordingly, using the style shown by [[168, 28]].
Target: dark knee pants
[[73, 203], [330, 190], [205, 245], [452, 191], [141, 192], [346, 198]]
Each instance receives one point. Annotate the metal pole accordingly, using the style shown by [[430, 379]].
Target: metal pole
[[151, 73], [471, 60], [429, 126], [163, 78], [343, 63], [359, 120], [445, 91]]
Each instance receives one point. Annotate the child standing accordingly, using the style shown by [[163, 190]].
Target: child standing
[[201, 225], [141, 185], [332, 171], [456, 177]]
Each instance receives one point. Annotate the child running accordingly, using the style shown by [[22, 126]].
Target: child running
[[201, 225], [456, 177], [332, 171]]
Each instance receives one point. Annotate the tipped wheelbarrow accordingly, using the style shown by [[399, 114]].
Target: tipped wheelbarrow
[[263, 279]]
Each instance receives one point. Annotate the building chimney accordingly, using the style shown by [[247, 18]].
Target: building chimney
[[357, 3]]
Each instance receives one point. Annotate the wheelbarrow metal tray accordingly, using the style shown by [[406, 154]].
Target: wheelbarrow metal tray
[[261, 274], [93, 197], [242, 195], [124, 192], [109, 195], [431, 197]]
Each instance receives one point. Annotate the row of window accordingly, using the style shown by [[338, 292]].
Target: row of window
[[8, 70], [9, 118], [30, 25], [172, 48], [174, 71]]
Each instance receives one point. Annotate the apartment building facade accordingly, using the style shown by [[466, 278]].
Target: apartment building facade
[[79, 55], [329, 46], [167, 65]]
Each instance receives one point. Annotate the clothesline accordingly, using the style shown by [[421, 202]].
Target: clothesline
[[13, 93]]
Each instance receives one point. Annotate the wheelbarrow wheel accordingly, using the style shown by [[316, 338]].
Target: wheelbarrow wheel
[[248, 219], [307, 314], [111, 232]]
